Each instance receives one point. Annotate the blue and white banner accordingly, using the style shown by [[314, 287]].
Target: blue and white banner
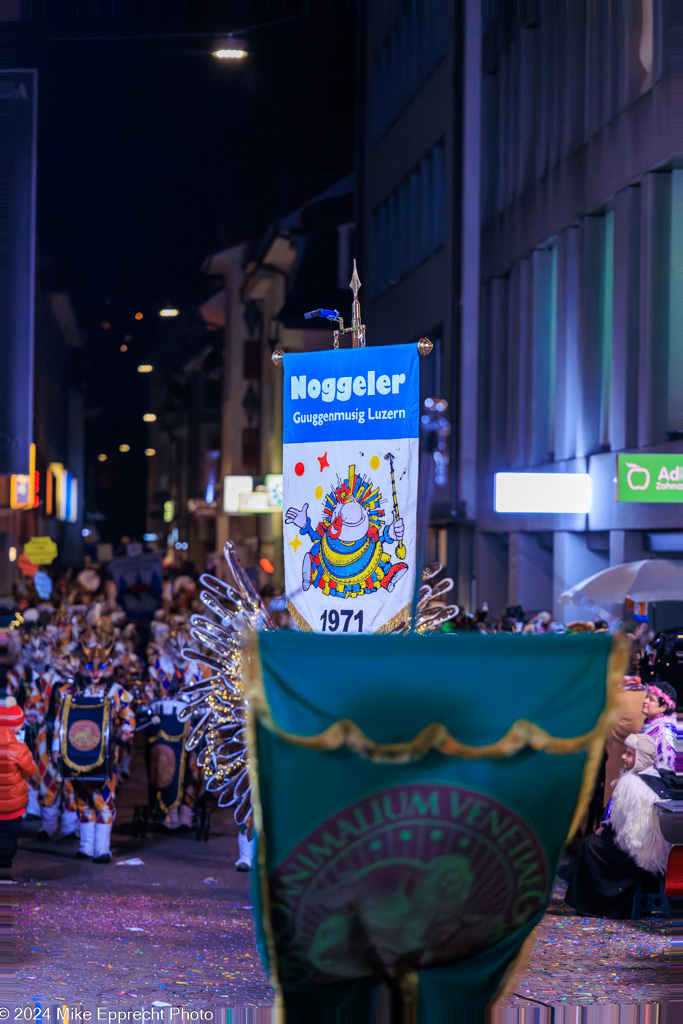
[[350, 462]]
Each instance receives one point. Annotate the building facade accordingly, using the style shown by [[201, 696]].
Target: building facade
[[581, 350], [262, 292], [418, 228]]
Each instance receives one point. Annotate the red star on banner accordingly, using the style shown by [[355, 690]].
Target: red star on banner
[[324, 464]]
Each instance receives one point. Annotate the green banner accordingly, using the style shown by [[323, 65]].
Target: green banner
[[413, 797], [650, 478]]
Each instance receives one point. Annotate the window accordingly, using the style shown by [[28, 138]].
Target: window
[[409, 225], [674, 423], [543, 354], [405, 59], [607, 327]]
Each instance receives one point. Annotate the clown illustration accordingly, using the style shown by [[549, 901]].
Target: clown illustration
[[347, 558]]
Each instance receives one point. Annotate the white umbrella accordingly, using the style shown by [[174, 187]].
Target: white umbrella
[[655, 579]]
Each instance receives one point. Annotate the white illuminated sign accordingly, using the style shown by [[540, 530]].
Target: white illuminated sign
[[233, 488], [542, 492]]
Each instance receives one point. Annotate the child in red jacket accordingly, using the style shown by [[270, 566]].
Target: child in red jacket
[[16, 765]]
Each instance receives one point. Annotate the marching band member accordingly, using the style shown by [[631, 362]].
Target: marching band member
[[94, 712]]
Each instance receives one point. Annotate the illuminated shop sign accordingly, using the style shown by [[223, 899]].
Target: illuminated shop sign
[[554, 493], [24, 486], [241, 496], [19, 490], [650, 478]]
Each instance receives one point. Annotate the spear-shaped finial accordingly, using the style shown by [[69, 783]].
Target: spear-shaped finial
[[357, 329], [354, 283]]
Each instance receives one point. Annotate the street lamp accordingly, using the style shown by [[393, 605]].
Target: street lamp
[[150, 417], [229, 48], [145, 368], [124, 447], [169, 311]]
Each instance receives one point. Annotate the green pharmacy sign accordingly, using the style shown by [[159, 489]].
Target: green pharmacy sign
[[650, 478]]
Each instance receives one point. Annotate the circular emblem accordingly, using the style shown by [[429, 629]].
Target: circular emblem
[[419, 875], [162, 765], [84, 735]]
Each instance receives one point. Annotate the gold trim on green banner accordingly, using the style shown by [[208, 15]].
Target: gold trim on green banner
[[436, 736], [266, 920], [617, 665]]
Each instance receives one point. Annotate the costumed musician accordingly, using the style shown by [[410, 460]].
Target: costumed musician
[[94, 711], [174, 776]]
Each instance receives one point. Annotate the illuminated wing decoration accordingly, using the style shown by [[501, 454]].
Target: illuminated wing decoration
[[432, 611], [216, 703]]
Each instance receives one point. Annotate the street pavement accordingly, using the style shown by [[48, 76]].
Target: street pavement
[[177, 930]]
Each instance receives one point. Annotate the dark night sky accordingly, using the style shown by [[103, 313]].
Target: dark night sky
[[152, 155]]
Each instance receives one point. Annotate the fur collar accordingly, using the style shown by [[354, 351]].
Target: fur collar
[[636, 825]]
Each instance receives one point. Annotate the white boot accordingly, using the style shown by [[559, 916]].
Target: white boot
[[69, 824], [86, 845], [247, 848], [49, 817], [185, 817], [33, 807], [102, 841]]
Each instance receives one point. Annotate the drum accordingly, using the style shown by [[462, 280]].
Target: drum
[[85, 749], [166, 755]]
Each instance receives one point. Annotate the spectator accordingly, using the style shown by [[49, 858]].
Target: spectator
[[16, 765], [629, 848], [660, 722]]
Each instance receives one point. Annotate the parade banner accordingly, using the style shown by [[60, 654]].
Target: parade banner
[[350, 463], [442, 778], [138, 583]]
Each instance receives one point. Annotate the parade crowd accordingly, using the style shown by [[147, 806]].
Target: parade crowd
[[81, 679], [78, 689]]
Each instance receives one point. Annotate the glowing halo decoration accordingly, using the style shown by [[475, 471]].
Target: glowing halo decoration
[[216, 705]]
